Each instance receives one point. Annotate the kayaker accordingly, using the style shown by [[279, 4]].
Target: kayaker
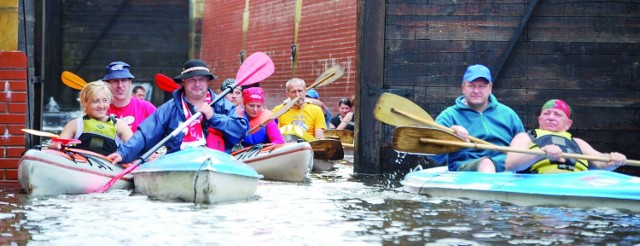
[[303, 114], [478, 113], [553, 137], [314, 97], [127, 108], [219, 128], [98, 131], [235, 96], [256, 114], [344, 119], [139, 92]]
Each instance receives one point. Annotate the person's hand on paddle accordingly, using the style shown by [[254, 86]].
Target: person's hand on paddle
[[206, 110], [617, 159], [461, 132], [554, 153]]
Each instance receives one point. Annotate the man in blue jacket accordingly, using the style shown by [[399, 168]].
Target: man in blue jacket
[[219, 127], [478, 113]]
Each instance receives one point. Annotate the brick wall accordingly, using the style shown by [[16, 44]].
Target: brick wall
[[326, 36], [13, 101]]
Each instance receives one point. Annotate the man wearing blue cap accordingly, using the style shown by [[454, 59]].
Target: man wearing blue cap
[[478, 113], [126, 108]]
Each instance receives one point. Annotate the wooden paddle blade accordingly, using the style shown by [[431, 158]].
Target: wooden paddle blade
[[407, 139], [389, 105], [344, 136], [254, 69], [328, 76], [40, 133], [327, 149], [72, 80], [166, 83]]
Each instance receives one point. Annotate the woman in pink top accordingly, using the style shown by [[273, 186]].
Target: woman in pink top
[[256, 114]]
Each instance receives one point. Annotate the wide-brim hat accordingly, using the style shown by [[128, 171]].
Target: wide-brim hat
[[118, 70], [192, 68]]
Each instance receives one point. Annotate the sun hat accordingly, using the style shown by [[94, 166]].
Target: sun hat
[[229, 82], [477, 71], [253, 94], [558, 104], [312, 93], [118, 70], [194, 67]]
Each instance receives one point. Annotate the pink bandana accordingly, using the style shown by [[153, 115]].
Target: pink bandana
[[253, 94], [558, 104]]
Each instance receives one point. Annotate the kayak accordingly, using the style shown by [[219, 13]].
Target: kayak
[[594, 188], [325, 151], [283, 162], [72, 171], [199, 175]]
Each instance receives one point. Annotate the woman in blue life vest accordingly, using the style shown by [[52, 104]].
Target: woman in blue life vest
[[97, 131], [256, 114], [553, 138]]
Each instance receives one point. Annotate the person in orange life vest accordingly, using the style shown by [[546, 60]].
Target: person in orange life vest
[[256, 114], [552, 137], [219, 127], [98, 131], [127, 108], [235, 96]]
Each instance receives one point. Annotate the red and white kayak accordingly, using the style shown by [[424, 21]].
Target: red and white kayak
[[283, 162], [72, 171]]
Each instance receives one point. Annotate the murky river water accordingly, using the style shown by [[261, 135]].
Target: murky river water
[[332, 208]]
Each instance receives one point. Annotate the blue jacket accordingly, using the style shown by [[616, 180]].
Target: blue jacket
[[167, 118], [497, 124]]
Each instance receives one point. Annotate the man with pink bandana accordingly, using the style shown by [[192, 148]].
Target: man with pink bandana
[[256, 114], [125, 107], [553, 138]]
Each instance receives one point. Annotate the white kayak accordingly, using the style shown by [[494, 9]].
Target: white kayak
[[283, 162], [594, 188], [72, 171], [199, 175]]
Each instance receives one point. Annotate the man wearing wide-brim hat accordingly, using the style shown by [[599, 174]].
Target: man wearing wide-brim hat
[[219, 127]]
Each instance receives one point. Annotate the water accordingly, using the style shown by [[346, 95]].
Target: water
[[332, 208]]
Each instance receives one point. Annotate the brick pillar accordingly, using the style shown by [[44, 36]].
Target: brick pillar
[[13, 108]]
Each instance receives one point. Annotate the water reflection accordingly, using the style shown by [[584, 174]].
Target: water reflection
[[332, 208]]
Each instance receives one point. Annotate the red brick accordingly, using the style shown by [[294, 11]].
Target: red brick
[[14, 152], [3, 107], [12, 59], [19, 85], [11, 175], [13, 119], [13, 75], [9, 162], [12, 140], [15, 129], [13, 96], [18, 108]]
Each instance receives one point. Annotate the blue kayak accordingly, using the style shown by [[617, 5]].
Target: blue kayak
[[576, 189]]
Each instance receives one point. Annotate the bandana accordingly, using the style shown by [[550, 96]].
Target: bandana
[[253, 94], [558, 104]]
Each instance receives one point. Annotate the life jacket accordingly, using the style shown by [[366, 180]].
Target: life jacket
[[567, 145], [97, 136]]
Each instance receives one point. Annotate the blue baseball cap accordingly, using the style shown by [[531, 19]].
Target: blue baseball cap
[[118, 70], [477, 71], [312, 93]]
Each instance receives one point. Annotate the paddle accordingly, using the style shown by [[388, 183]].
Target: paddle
[[72, 80], [274, 116], [390, 106], [256, 68], [166, 83], [327, 77], [434, 141], [327, 149], [40, 133]]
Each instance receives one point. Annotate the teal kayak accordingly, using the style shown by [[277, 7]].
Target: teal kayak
[[589, 189]]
